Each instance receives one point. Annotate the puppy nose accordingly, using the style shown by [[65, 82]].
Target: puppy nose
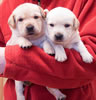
[[30, 28], [58, 36]]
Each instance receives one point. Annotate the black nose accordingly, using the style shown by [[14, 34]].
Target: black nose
[[30, 28], [58, 36]]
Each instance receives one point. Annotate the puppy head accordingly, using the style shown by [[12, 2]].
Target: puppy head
[[61, 24], [27, 19]]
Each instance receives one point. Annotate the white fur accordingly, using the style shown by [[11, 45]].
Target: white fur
[[20, 36], [56, 93], [59, 17]]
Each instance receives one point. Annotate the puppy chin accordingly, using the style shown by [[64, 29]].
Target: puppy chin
[[33, 36], [28, 35], [61, 42], [58, 42]]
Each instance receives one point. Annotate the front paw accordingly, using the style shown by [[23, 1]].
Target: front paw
[[60, 57], [87, 57], [25, 44]]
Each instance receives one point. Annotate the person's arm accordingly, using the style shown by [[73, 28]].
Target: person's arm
[[36, 66]]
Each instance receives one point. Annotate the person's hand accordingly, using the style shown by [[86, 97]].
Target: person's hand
[[2, 59]]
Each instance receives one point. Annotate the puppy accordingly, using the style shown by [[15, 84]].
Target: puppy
[[27, 25], [62, 32]]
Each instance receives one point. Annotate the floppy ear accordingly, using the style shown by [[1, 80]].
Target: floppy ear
[[46, 11], [42, 12], [12, 21], [76, 23]]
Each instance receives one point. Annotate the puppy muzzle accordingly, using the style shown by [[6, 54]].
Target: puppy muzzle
[[58, 37], [30, 29]]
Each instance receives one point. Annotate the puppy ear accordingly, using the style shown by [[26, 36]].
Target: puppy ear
[[76, 23], [12, 21], [46, 11], [42, 12]]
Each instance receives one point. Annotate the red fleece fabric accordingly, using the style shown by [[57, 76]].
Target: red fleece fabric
[[74, 77]]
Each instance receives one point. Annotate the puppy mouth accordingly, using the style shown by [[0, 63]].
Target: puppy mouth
[[58, 38], [58, 41], [30, 29], [31, 33]]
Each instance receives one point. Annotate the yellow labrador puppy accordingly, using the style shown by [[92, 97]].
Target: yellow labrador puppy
[[27, 25], [62, 32]]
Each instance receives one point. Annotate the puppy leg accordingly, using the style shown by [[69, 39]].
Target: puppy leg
[[24, 43], [60, 54], [48, 48], [56, 93], [19, 90], [86, 56]]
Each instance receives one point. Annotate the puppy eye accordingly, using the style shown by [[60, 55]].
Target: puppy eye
[[36, 17], [67, 25], [20, 19], [52, 25]]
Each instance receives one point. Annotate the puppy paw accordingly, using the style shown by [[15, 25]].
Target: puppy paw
[[61, 98], [87, 57], [59, 95], [25, 44], [60, 57]]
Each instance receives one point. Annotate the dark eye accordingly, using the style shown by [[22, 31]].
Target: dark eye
[[52, 25], [36, 17], [67, 25], [20, 19]]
